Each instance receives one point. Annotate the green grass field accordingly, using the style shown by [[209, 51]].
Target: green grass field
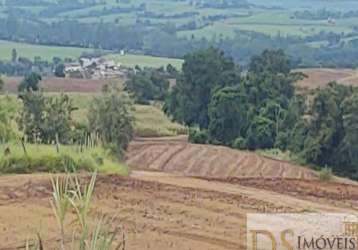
[[45, 52], [48, 52], [150, 120], [145, 61], [45, 158], [257, 18]]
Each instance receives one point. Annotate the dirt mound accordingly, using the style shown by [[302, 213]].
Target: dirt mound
[[53, 84], [208, 161]]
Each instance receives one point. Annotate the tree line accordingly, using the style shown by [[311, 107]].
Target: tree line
[[161, 39], [260, 109], [48, 119], [22, 66]]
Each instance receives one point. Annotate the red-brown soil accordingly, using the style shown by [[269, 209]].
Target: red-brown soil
[[208, 161], [53, 84], [173, 210], [320, 77], [162, 211]]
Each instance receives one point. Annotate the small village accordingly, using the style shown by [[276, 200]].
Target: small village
[[94, 68]]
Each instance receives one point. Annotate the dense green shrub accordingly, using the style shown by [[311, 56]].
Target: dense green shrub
[[47, 119], [21, 164], [239, 143], [111, 118], [147, 85], [198, 136], [325, 174], [8, 112], [43, 158]]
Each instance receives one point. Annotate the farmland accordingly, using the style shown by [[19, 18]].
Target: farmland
[[32, 51], [166, 211], [153, 32], [131, 61], [167, 193], [150, 120], [47, 53], [255, 16], [320, 77], [167, 158]]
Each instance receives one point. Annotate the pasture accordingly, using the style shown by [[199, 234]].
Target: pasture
[[45, 52], [149, 120], [261, 16], [130, 60]]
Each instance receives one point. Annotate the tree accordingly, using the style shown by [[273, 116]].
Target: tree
[[30, 83], [147, 84], [228, 114], [203, 72], [348, 148], [172, 70], [60, 70], [110, 116], [1, 84], [261, 133], [326, 130], [8, 111], [46, 119], [14, 55], [273, 61]]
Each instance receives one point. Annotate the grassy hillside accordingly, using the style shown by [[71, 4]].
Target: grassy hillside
[[48, 52], [150, 120], [45, 52], [269, 17], [45, 158]]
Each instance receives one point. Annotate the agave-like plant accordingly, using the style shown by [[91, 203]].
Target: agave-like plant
[[60, 203], [81, 199], [69, 194]]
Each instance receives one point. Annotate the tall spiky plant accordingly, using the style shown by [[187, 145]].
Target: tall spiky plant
[[60, 203], [69, 194], [81, 199]]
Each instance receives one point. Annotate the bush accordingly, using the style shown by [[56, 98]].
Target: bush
[[16, 164], [111, 118], [198, 136], [42, 158], [239, 143], [8, 114], [325, 174]]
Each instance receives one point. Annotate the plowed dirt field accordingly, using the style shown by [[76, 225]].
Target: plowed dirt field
[[172, 209], [179, 157]]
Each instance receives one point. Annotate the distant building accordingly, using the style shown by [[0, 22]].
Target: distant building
[[331, 21], [97, 68], [72, 67]]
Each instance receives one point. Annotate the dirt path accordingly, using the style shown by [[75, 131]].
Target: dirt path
[[269, 193]]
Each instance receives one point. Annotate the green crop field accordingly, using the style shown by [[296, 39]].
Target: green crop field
[[150, 120], [45, 52], [145, 61], [172, 28], [266, 17], [48, 52]]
